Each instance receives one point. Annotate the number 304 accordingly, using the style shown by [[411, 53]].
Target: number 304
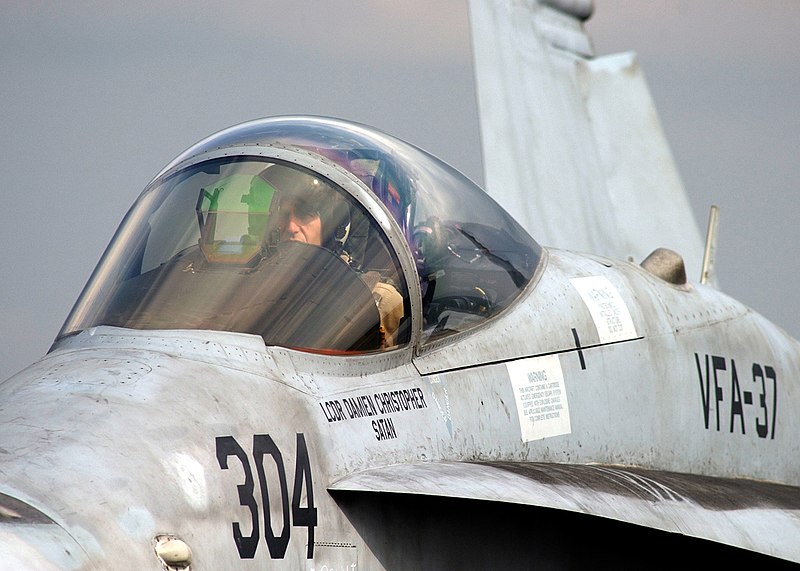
[[263, 447]]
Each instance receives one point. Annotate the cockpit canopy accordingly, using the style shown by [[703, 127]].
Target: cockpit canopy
[[316, 234]]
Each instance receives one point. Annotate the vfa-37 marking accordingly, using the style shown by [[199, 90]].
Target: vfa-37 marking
[[312, 345], [751, 400]]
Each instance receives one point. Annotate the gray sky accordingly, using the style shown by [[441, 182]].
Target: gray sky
[[96, 97]]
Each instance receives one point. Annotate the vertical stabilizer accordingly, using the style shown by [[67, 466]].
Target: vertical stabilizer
[[572, 144]]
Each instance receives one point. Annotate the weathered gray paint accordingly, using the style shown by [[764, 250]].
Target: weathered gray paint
[[108, 451]]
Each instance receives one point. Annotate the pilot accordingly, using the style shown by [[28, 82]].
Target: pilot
[[312, 213], [300, 220]]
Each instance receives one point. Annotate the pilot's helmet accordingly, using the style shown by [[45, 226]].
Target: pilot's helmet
[[307, 197]]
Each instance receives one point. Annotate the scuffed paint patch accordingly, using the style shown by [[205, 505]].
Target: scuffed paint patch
[[442, 400], [136, 521], [191, 478]]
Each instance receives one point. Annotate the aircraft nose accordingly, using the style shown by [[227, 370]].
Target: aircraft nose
[[30, 540]]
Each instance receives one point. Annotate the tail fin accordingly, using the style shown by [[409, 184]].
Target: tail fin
[[572, 144]]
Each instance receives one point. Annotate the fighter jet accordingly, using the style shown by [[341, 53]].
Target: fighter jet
[[312, 345]]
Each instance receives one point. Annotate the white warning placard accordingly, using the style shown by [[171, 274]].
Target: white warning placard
[[541, 397], [609, 312]]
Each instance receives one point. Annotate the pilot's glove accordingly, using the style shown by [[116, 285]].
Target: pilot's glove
[[390, 306]]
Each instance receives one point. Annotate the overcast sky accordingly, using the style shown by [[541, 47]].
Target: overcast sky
[[96, 97]]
